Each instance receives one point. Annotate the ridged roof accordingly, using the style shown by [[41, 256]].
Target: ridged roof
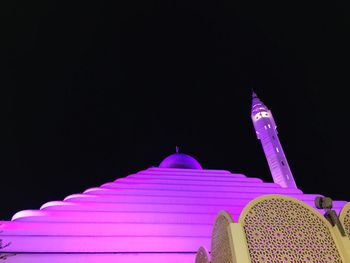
[[141, 217]]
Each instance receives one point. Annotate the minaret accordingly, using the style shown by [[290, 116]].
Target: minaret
[[266, 131]]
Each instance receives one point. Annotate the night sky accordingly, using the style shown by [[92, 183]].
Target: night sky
[[95, 91]]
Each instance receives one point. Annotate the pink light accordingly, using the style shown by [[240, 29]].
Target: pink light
[[152, 211]]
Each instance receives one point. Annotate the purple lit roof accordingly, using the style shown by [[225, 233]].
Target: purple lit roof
[[155, 215]]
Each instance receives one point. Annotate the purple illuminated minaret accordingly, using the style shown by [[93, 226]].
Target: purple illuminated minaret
[[266, 131]]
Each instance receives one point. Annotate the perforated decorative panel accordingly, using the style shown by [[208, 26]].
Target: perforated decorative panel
[[345, 218], [220, 246], [281, 229], [202, 256]]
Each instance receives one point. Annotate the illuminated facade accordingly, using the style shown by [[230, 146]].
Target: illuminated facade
[[161, 214], [266, 131]]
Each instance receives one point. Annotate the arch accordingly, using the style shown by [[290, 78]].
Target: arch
[[345, 218], [202, 256], [283, 229], [221, 243]]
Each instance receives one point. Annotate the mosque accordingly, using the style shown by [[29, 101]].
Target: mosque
[[161, 214]]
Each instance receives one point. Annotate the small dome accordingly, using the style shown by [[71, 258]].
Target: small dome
[[180, 160]]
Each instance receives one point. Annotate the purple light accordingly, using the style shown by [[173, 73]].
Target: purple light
[[180, 160], [263, 121], [159, 210]]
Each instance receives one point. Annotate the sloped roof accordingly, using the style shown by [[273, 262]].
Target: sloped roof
[[140, 218]]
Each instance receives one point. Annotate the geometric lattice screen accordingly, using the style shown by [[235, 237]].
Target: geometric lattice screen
[[281, 229], [345, 218], [220, 245]]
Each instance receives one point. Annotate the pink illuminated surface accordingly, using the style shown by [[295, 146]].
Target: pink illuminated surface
[[156, 215]]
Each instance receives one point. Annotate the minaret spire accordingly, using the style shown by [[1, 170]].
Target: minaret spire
[[266, 131], [254, 94]]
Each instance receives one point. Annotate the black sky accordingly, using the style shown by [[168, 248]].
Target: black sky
[[96, 91]]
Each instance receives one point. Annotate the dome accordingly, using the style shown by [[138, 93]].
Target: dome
[[180, 160]]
